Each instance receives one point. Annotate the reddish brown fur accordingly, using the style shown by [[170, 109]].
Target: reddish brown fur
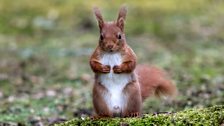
[[134, 104], [152, 80], [98, 102], [127, 66], [95, 64]]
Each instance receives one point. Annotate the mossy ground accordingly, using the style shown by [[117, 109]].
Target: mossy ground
[[212, 116], [45, 47]]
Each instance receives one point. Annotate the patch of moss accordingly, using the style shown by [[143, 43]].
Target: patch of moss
[[211, 116]]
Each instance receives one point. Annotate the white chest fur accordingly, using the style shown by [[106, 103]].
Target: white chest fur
[[115, 83]]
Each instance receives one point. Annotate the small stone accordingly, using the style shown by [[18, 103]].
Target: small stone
[[11, 98], [51, 93], [67, 91], [46, 110]]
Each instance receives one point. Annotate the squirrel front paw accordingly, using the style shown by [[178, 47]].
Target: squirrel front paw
[[117, 69], [106, 69]]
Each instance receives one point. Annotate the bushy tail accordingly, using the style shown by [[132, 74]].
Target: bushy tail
[[153, 81]]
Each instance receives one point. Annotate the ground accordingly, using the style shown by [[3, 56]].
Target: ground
[[45, 47], [212, 116]]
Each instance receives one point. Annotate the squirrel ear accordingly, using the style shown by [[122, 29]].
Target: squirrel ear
[[121, 17], [98, 17]]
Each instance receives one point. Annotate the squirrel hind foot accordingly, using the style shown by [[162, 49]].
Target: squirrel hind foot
[[134, 114]]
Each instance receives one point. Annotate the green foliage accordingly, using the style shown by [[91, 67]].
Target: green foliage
[[45, 48], [161, 18]]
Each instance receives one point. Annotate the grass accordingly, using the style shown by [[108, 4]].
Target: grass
[[45, 48]]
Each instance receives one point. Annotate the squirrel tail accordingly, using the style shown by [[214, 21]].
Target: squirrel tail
[[153, 81]]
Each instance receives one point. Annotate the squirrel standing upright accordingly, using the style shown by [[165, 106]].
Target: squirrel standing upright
[[120, 86]]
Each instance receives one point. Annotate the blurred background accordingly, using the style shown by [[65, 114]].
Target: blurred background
[[45, 47]]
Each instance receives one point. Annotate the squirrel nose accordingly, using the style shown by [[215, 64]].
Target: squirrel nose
[[110, 46]]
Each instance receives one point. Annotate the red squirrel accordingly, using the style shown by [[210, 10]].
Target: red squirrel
[[120, 86]]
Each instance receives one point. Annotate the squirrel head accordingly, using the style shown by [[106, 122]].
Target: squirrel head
[[112, 37]]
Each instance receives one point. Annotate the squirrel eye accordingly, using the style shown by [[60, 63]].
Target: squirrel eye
[[101, 37], [119, 36]]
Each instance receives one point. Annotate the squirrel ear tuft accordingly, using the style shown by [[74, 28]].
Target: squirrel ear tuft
[[98, 17], [121, 17]]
